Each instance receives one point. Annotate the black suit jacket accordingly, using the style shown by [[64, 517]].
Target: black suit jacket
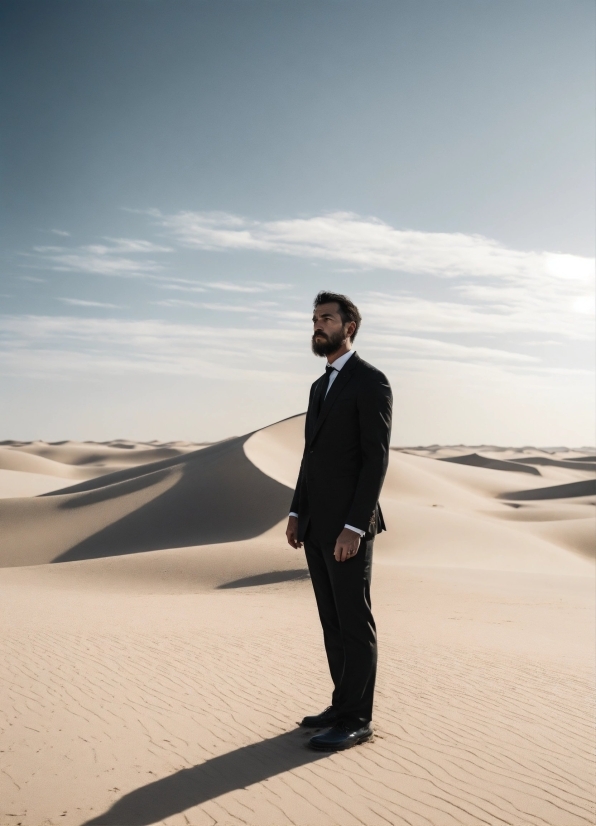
[[346, 453]]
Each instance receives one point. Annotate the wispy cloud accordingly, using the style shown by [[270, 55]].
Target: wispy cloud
[[100, 259], [487, 300], [371, 244], [189, 287], [100, 263], [61, 232], [524, 312], [134, 245], [247, 287], [81, 302], [394, 346], [256, 307], [66, 346], [186, 285], [494, 289]]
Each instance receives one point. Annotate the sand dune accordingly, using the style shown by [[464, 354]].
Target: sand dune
[[83, 460], [156, 673], [15, 484], [25, 462], [240, 488], [206, 496], [35, 468]]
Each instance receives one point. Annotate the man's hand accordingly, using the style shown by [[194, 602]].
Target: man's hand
[[347, 545], [292, 532]]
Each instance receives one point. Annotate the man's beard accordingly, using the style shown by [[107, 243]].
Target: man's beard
[[329, 345]]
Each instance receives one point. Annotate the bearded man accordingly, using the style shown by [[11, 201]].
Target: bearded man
[[335, 514]]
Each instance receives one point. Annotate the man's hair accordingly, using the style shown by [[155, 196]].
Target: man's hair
[[347, 309]]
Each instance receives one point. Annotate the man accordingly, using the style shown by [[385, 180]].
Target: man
[[335, 513]]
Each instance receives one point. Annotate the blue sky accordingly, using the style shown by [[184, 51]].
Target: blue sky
[[181, 178]]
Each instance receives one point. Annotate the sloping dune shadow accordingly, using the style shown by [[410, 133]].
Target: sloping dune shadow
[[567, 491], [475, 460], [269, 578], [96, 494], [187, 788], [219, 496], [581, 463]]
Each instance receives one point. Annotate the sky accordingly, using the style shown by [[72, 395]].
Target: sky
[[180, 178]]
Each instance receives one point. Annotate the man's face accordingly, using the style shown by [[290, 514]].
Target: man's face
[[329, 331]]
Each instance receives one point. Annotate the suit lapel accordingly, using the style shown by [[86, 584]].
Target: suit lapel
[[343, 377]]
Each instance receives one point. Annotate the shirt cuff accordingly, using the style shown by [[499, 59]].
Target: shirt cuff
[[356, 530], [293, 514]]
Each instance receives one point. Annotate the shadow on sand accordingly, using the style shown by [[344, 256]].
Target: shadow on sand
[[567, 491], [270, 578], [219, 496], [190, 787]]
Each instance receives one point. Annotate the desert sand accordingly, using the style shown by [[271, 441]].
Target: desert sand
[[160, 639]]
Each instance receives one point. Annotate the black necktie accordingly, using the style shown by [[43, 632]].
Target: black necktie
[[325, 386]]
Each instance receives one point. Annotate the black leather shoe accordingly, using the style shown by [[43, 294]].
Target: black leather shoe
[[341, 736], [326, 718]]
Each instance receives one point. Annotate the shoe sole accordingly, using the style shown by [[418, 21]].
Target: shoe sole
[[348, 745]]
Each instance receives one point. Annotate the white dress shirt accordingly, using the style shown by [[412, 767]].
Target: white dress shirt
[[337, 365]]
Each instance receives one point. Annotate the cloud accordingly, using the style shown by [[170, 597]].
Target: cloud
[[134, 245], [371, 244], [100, 259], [207, 305], [185, 285], [393, 346], [67, 346], [61, 232], [100, 263], [504, 312], [80, 302], [203, 305], [183, 288], [486, 305], [494, 289], [246, 287], [271, 285], [584, 304], [491, 289]]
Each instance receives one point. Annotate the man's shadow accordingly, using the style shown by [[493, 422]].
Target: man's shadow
[[190, 787]]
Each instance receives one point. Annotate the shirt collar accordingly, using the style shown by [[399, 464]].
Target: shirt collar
[[339, 363]]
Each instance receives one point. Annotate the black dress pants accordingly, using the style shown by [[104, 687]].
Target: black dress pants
[[342, 592]]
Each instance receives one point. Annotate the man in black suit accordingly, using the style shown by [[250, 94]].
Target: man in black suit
[[335, 513]]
